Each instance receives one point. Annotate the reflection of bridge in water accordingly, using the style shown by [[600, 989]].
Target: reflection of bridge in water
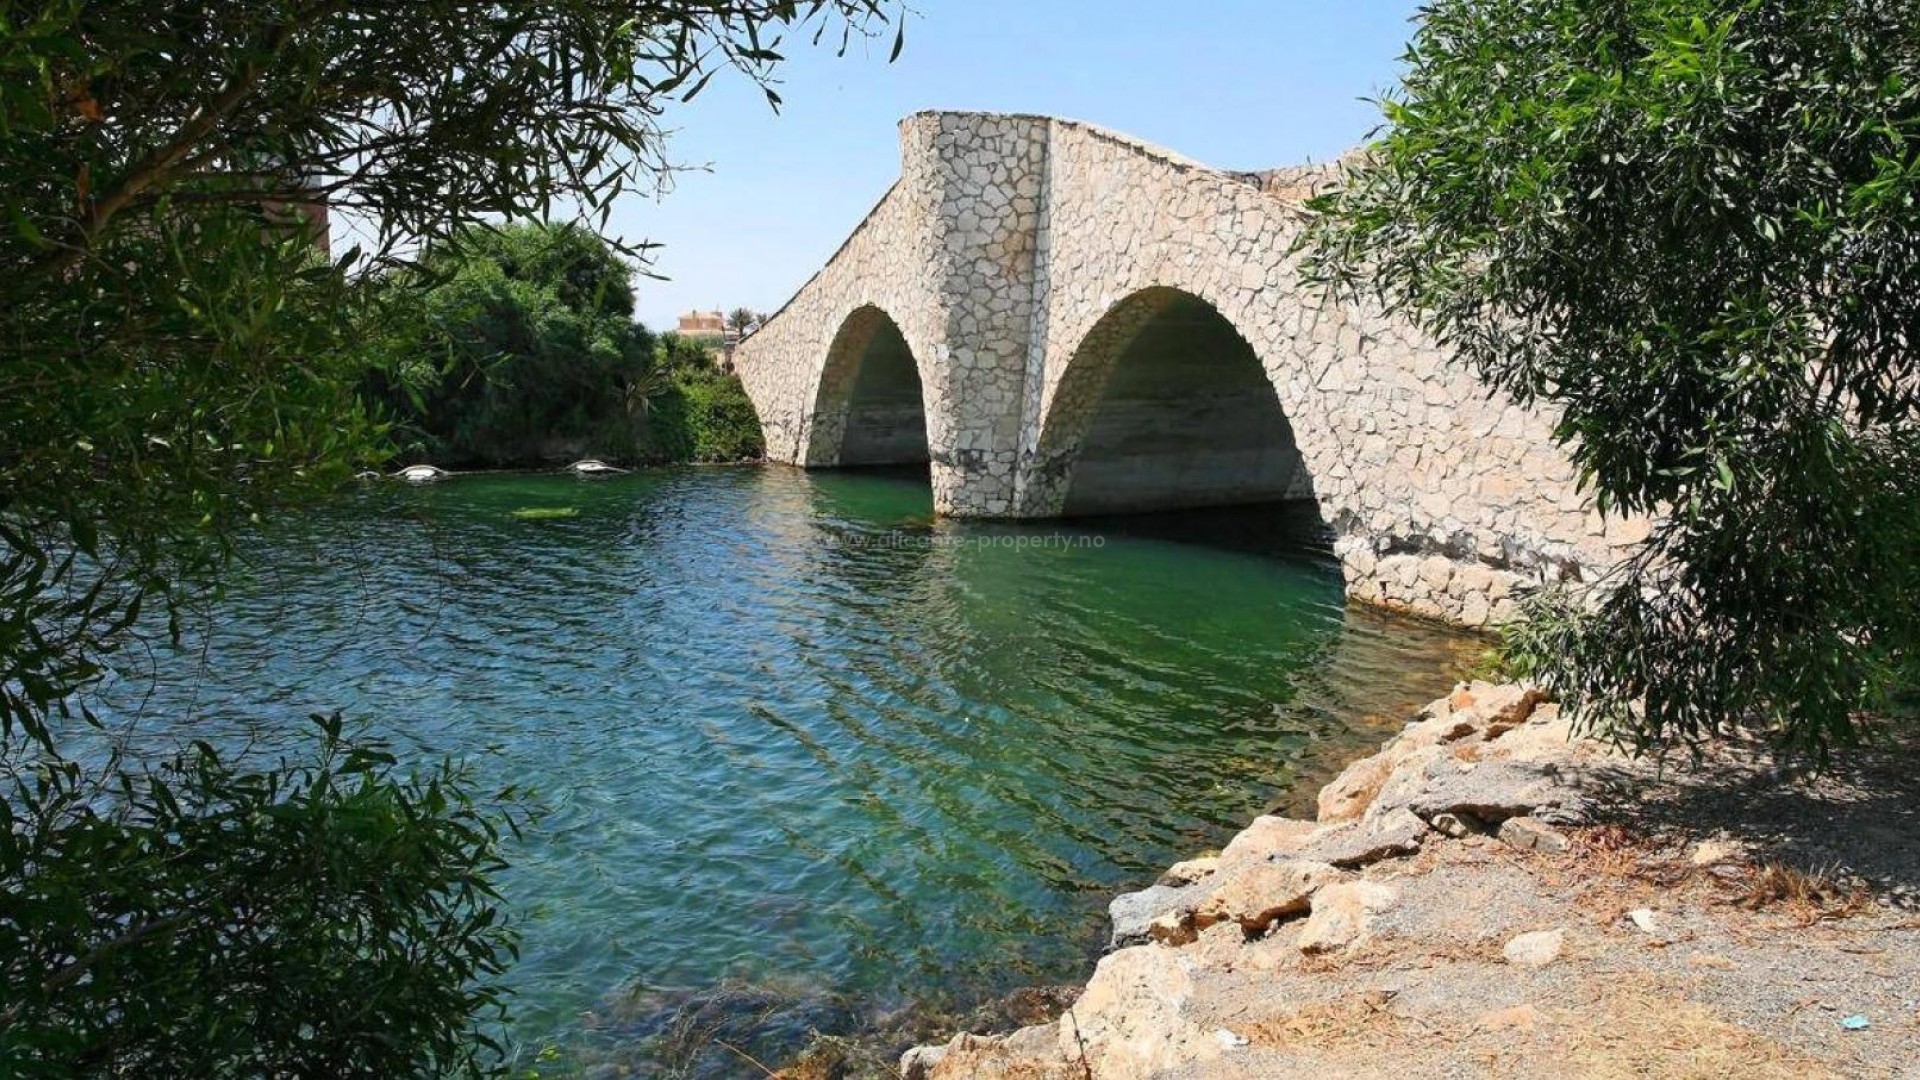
[[1062, 320]]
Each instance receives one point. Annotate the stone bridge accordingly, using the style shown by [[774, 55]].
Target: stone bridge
[[1062, 320]]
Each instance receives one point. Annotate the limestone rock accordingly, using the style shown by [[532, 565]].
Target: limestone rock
[[1175, 928], [1508, 706], [1361, 843], [1027, 1054], [1546, 735], [919, 1062], [1269, 835], [1494, 702], [1187, 873], [1489, 790], [1532, 834], [1407, 781], [1437, 725], [1259, 895], [1342, 914], [1538, 949], [1457, 825], [1367, 784], [1132, 914], [1132, 1023], [1350, 793]]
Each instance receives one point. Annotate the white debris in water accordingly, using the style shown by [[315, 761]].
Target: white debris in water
[[592, 467]]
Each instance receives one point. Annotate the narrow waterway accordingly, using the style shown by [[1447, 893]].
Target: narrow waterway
[[793, 735]]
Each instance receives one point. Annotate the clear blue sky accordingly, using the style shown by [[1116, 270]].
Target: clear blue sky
[[1235, 83]]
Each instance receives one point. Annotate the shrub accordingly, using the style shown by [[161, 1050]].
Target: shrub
[[331, 918], [704, 413], [1691, 230], [514, 346]]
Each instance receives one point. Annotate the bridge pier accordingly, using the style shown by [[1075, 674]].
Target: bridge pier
[[990, 175]]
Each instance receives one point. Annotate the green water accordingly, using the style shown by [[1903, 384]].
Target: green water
[[793, 734]]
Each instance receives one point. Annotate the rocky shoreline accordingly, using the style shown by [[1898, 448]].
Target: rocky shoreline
[[1485, 890]]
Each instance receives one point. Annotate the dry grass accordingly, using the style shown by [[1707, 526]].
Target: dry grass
[[1636, 1030], [1630, 1030], [1622, 855], [1617, 851], [1349, 1023], [1805, 897]]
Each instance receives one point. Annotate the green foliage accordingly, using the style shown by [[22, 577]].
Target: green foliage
[[1690, 227], [321, 919], [189, 380], [680, 356], [744, 321], [1906, 689], [179, 360], [514, 345], [418, 118], [702, 413], [724, 424]]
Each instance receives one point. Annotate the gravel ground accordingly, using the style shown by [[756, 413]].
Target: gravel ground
[[1797, 914], [1715, 988], [1858, 821]]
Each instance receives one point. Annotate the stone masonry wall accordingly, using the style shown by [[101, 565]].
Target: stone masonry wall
[[1020, 256]]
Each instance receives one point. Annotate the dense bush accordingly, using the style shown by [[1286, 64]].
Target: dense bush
[[720, 419], [1692, 229], [701, 413], [513, 346], [327, 919]]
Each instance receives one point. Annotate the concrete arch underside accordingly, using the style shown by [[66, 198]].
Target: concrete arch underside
[[1163, 406], [1090, 324], [870, 408]]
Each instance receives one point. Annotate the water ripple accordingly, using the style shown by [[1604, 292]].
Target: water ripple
[[784, 728]]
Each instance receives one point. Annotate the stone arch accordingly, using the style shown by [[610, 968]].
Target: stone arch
[[870, 408], [1166, 405]]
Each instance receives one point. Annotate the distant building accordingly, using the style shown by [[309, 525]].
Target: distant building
[[711, 327], [703, 324]]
